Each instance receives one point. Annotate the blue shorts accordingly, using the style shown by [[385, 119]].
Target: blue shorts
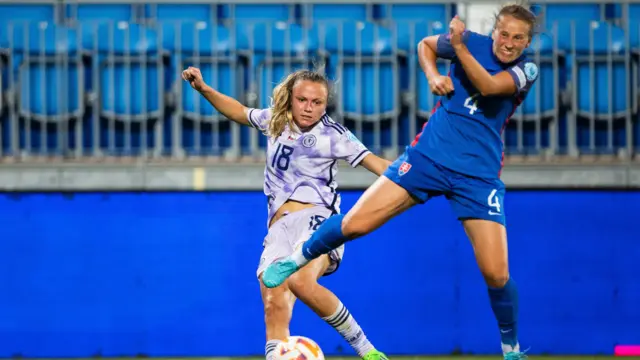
[[470, 197]]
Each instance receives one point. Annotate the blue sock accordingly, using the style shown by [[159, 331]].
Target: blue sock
[[328, 237], [504, 303]]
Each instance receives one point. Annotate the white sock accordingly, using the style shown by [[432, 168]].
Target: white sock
[[508, 348], [270, 348], [347, 326], [298, 257]]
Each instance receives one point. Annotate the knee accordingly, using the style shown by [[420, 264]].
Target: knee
[[275, 307], [496, 277], [301, 285], [355, 226]]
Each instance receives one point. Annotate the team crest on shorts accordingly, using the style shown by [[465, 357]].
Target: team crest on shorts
[[404, 168]]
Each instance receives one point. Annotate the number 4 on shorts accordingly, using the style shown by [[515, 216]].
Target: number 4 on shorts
[[494, 202]]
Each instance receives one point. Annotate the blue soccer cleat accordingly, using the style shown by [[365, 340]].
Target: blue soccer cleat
[[276, 274], [515, 355]]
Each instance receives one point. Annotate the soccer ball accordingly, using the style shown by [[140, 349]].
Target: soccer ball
[[298, 348]]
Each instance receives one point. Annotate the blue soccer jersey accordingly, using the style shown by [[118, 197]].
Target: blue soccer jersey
[[464, 130]]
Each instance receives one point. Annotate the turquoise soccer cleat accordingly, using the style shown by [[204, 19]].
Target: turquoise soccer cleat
[[514, 355], [278, 272]]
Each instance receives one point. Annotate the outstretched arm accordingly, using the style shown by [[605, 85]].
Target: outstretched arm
[[227, 106], [487, 84], [347, 147], [375, 164]]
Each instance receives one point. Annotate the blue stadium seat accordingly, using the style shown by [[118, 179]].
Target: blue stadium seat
[[562, 12], [129, 82], [633, 22], [127, 57], [409, 33], [5, 137], [613, 12], [45, 77], [633, 27], [337, 11], [258, 12], [608, 46], [363, 58], [103, 12], [582, 35], [47, 71], [599, 77], [3, 82], [430, 13], [208, 47], [181, 11], [633, 19], [32, 12], [277, 49], [13, 16], [178, 23]]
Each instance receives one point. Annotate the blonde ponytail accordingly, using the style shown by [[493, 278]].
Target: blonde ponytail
[[281, 115]]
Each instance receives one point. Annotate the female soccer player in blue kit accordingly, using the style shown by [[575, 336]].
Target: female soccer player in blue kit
[[458, 154]]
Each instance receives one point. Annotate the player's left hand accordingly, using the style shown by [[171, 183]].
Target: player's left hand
[[456, 29], [441, 85]]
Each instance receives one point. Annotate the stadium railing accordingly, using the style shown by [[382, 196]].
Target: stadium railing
[[95, 80]]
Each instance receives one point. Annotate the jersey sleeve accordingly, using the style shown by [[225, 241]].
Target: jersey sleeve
[[445, 50], [524, 74], [347, 147], [259, 118]]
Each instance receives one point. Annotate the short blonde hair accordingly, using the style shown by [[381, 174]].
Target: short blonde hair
[[520, 11]]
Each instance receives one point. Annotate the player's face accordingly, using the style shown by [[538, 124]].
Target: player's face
[[309, 102], [510, 38]]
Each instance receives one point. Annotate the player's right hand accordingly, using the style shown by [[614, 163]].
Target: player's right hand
[[441, 85], [194, 77]]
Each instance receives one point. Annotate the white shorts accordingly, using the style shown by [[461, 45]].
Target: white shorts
[[290, 232]]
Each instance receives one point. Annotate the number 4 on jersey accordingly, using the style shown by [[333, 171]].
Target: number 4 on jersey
[[471, 103]]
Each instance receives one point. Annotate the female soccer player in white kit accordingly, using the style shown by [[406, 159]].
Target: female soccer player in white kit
[[300, 183]]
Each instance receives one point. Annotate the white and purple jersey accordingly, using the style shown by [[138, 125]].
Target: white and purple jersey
[[302, 166]]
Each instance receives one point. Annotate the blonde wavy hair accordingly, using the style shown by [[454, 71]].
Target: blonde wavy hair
[[281, 115]]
